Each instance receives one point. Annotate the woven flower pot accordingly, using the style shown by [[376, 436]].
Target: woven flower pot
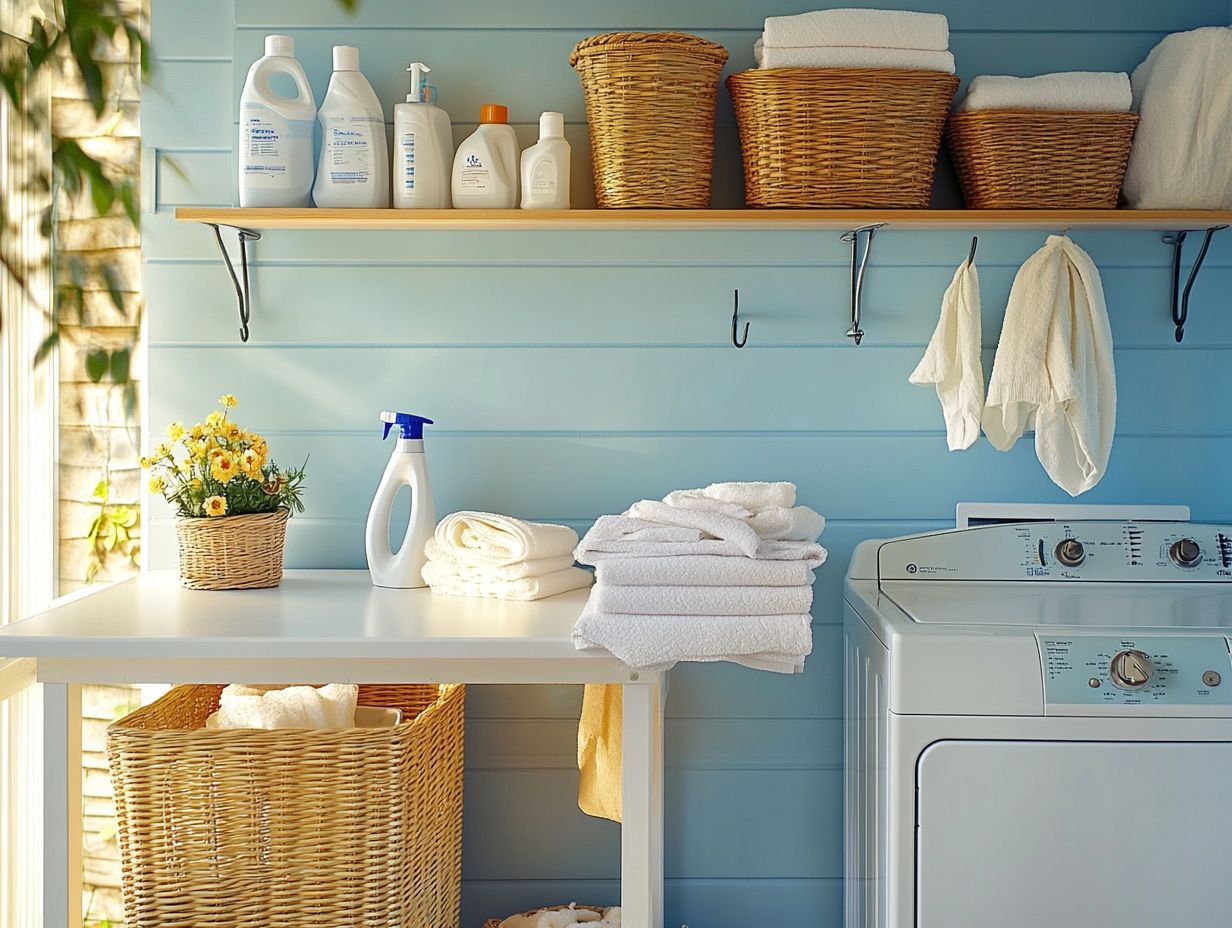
[[232, 552]]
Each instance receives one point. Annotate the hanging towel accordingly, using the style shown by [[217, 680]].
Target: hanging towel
[[496, 572], [1087, 91], [1054, 369], [880, 28], [952, 363], [445, 582], [702, 600], [599, 750], [273, 707], [844, 56], [488, 539], [1181, 153], [701, 570]]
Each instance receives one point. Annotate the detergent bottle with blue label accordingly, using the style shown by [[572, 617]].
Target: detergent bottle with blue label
[[407, 468]]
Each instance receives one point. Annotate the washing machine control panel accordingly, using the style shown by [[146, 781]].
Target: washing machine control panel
[[1137, 670], [1115, 552]]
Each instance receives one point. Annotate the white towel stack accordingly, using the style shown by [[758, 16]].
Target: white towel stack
[[856, 39], [723, 573], [1078, 91], [272, 707], [489, 556]]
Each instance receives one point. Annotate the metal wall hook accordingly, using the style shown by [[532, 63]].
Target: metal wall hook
[[743, 340], [858, 266], [1180, 299], [975, 241], [242, 291]]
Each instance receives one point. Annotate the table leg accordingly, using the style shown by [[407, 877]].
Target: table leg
[[61, 805], [641, 833]]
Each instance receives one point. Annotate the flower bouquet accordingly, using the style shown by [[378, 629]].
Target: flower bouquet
[[232, 502]]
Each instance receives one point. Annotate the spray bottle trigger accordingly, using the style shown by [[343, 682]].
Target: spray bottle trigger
[[409, 425]]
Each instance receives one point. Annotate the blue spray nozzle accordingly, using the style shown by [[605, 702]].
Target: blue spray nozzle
[[411, 426]]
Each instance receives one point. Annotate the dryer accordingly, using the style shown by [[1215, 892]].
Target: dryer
[[1038, 727]]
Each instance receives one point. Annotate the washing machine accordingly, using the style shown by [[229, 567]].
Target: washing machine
[[1039, 727]]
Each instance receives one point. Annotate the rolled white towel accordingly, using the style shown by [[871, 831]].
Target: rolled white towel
[[809, 552], [487, 573], [444, 582], [241, 706], [1079, 91], [702, 600], [485, 538], [845, 56], [879, 28], [701, 570]]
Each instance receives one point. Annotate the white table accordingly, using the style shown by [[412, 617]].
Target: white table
[[322, 624]]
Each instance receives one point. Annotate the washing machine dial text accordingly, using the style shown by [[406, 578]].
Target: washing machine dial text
[[1131, 669]]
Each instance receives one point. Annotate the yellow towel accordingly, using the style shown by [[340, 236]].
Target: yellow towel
[[599, 740]]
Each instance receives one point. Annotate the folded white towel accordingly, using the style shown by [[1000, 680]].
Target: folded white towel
[[445, 582], [702, 600], [952, 362], [1054, 368], [799, 523], [593, 551], [767, 642], [1085, 91], [845, 56], [268, 707], [1183, 94], [881, 28], [485, 538], [496, 572], [749, 496], [701, 570], [712, 524]]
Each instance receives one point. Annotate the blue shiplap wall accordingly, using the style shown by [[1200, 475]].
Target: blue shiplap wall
[[573, 373]]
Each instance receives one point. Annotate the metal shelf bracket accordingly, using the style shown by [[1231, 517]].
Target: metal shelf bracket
[[241, 282]]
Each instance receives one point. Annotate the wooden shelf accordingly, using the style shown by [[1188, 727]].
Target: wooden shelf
[[703, 219]]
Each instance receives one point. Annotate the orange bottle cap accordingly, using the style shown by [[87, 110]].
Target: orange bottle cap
[[493, 112]]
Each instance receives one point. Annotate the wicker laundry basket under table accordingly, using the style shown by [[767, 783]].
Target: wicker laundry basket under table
[[495, 922], [840, 137], [291, 828]]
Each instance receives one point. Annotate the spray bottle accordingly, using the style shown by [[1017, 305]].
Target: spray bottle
[[406, 468]]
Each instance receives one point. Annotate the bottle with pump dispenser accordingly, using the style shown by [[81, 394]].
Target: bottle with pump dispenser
[[406, 468], [545, 166], [354, 167], [275, 144], [485, 169], [423, 147]]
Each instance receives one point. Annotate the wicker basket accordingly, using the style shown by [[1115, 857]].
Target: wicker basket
[[1027, 159], [232, 552], [650, 100], [291, 828], [838, 137], [495, 922]]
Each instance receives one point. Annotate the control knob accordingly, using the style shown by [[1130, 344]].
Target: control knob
[[1131, 670], [1186, 553], [1070, 552]]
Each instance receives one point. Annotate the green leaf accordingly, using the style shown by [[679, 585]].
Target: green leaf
[[101, 491], [130, 399], [103, 192], [112, 282], [120, 365], [96, 364], [46, 347]]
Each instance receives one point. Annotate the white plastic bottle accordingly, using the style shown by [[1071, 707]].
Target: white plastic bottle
[[406, 468], [423, 147], [485, 169], [354, 168], [545, 166], [275, 146]]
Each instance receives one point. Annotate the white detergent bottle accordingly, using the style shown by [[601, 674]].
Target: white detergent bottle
[[485, 169], [545, 166], [354, 167], [406, 468], [423, 147], [275, 146]]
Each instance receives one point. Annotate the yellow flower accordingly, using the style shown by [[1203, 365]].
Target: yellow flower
[[162, 451], [215, 419], [195, 483], [228, 400], [250, 463], [146, 463], [157, 484], [233, 431], [260, 446], [215, 506], [197, 432], [222, 466], [175, 431], [185, 466]]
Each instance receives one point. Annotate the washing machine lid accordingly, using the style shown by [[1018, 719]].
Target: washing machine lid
[[1184, 606]]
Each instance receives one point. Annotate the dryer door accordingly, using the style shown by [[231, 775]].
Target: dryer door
[[1072, 834]]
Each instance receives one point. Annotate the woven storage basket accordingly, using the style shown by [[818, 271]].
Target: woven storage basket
[[1027, 159], [495, 922], [232, 552], [840, 136], [650, 99], [291, 828]]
